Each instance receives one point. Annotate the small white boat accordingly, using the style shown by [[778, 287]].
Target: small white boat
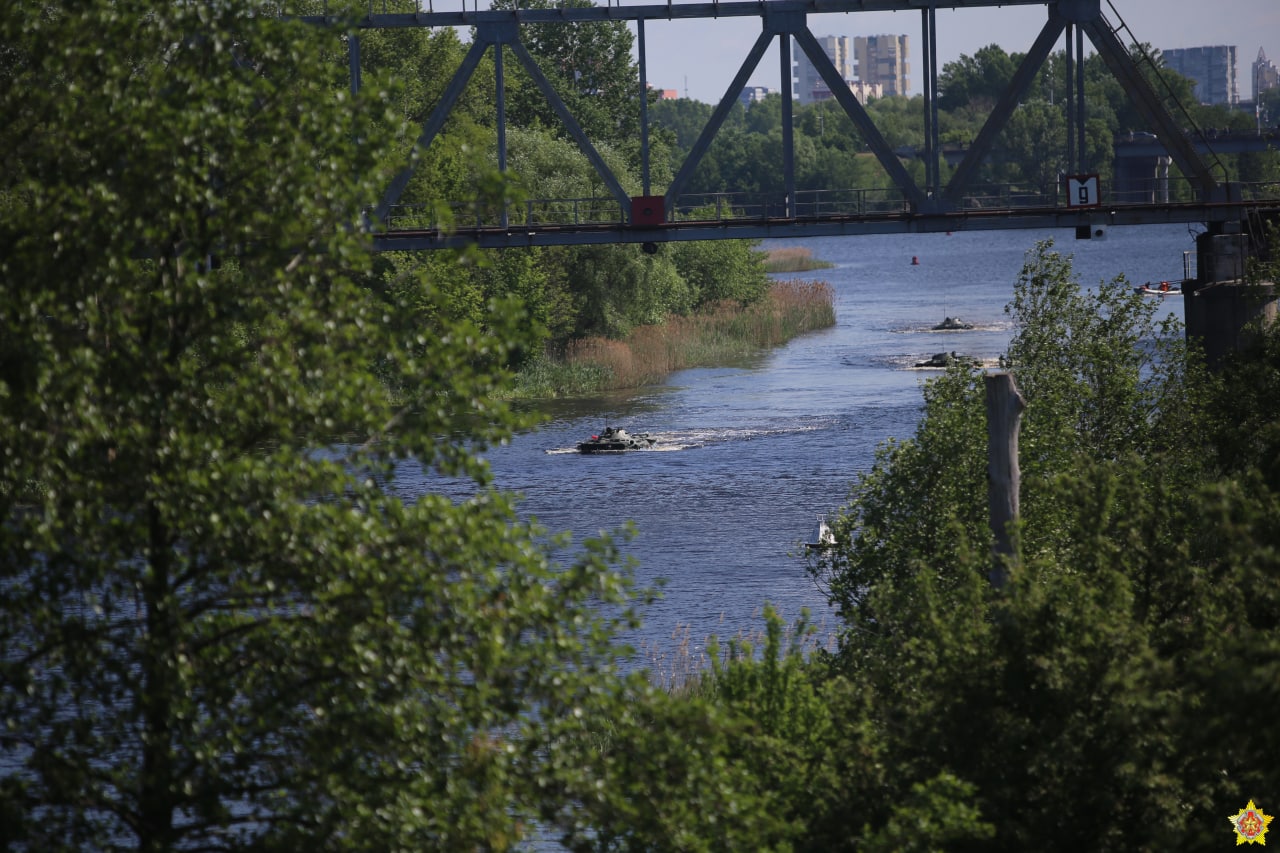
[[822, 537], [1162, 289]]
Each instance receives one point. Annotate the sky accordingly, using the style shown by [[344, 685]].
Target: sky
[[699, 58]]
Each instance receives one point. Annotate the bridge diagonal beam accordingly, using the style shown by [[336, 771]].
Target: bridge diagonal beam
[[1018, 87], [431, 127], [571, 124], [730, 98], [1117, 58], [870, 133]]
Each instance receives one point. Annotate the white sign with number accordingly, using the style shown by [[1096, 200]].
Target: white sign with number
[[1082, 191]]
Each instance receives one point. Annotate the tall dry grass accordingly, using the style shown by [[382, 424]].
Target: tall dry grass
[[795, 259], [726, 332]]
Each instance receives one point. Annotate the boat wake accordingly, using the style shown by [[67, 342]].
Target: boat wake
[[674, 440]]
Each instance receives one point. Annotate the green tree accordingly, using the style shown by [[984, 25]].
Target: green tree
[[721, 269], [976, 80], [220, 623], [1137, 625], [1105, 376], [899, 119], [619, 287], [684, 117], [1034, 143]]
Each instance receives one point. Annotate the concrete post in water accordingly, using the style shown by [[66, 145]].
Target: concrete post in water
[[1222, 310], [1004, 419]]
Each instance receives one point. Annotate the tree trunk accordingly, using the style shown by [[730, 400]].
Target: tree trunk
[[1004, 413]]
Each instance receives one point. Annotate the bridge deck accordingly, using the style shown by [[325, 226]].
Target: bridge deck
[[604, 222]]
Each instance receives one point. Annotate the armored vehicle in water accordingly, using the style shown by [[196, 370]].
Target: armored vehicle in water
[[617, 440]]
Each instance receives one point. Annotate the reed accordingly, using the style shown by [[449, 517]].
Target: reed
[[683, 668], [793, 260], [724, 333]]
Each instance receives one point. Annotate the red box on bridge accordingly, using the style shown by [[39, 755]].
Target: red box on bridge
[[648, 211]]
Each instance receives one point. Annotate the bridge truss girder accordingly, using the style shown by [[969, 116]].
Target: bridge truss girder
[[787, 20]]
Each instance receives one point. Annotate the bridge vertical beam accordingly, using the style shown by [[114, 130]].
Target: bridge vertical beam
[[1022, 80], [500, 101], [1082, 152], [932, 169], [1071, 103], [788, 129], [644, 109]]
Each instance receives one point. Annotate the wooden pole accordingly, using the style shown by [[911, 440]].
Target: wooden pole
[[1004, 416]]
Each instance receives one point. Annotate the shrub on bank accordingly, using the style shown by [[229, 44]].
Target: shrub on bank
[[725, 332]]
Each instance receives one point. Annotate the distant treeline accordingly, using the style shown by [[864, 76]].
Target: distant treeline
[[1030, 153]]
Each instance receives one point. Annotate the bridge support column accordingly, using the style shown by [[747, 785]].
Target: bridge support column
[[1223, 310]]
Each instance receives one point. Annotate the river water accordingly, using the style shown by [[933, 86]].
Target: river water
[[751, 454]]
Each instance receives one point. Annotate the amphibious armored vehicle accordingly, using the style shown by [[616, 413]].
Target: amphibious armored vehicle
[[617, 440]]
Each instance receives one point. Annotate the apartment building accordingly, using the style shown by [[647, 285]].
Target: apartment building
[[1212, 68], [870, 66], [882, 60]]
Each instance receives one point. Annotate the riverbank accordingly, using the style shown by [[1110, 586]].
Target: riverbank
[[651, 353]]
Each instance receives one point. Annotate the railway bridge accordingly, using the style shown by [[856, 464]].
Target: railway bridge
[[1234, 215], [672, 214]]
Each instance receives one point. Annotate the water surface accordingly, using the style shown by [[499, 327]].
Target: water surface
[[749, 456]]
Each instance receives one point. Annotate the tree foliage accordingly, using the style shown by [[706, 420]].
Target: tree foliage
[[1029, 153], [980, 78], [220, 623], [1136, 625], [223, 626]]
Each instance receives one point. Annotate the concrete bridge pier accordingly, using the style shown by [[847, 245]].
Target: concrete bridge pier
[[1222, 309]]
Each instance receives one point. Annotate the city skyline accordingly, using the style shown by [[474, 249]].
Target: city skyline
[[700, 58]]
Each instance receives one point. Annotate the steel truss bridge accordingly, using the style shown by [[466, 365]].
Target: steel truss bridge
[[674, 215]]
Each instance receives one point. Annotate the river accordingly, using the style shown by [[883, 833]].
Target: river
[[750, 455]]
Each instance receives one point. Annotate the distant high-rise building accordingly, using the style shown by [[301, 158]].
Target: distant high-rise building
[[1265, 75], [1212, 68], [870, 66], [808, 84], [883, 60], [754, 94]]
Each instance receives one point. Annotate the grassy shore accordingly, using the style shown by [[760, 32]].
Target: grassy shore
[[793, 260], [650, 353]]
